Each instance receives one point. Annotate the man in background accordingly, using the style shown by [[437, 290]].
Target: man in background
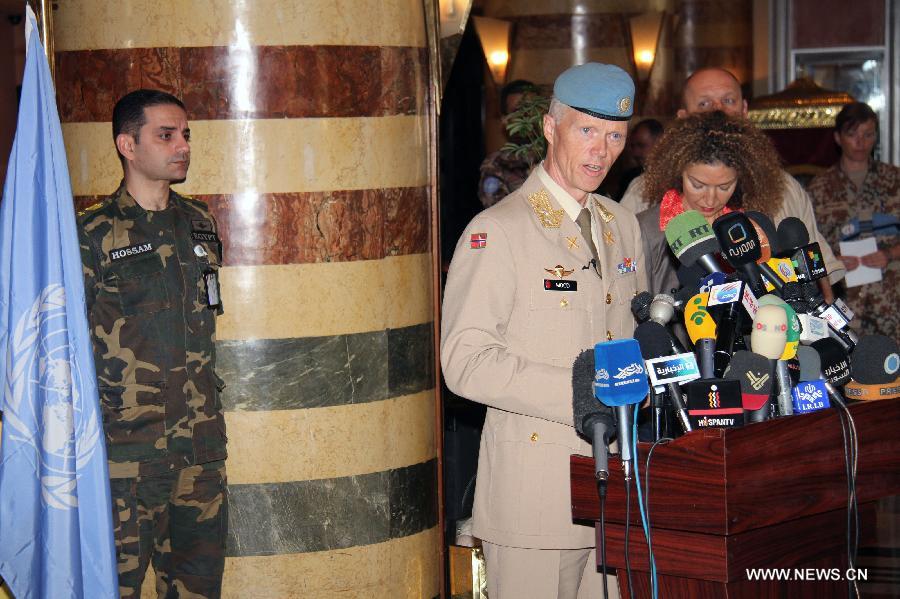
[[714, 88], [501, 172]]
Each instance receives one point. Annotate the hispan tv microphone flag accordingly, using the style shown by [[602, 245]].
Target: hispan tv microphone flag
[[55, 508]]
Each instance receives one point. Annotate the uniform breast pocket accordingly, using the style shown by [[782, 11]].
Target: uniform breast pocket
[[141, 285], [555, 323]]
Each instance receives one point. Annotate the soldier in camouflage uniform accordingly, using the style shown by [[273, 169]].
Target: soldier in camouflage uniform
[[501, 172], [856, 198], [150, 261]]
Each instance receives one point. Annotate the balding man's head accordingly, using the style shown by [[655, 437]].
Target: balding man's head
[[712, 89]]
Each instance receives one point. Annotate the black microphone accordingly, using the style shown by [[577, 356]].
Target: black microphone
[[640, 306], [754, 372], [656, 342], [875, 360], [729, 318], [662, 311], [793, 241], [765, 224], [835, 366], [592, 419], [741, 248]]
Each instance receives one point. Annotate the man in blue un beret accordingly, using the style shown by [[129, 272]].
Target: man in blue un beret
[[537, 278]]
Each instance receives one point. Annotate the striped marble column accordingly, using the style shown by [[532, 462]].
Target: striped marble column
[[310, 144]]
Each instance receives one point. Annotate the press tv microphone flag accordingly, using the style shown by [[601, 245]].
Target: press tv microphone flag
[[874, 366], [620, 381], [692, 240]]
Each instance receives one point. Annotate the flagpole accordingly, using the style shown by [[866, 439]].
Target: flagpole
[[44, 10]]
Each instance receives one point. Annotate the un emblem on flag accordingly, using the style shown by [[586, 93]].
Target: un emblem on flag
[[42, 401]]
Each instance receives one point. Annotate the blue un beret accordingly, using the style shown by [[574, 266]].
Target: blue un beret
[[601, 90]]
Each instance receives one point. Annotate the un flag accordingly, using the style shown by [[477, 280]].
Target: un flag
[[56, 536]]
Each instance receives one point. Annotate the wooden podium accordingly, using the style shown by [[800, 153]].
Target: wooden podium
[[768, 495]]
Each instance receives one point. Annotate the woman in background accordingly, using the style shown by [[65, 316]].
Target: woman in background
[[858, 198], [711, 163]]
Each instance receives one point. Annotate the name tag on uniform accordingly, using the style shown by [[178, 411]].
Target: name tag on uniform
[[132, 250], [554, 285]]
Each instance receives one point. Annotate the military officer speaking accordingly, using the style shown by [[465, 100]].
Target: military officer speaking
[[536, 279], [151, 260]]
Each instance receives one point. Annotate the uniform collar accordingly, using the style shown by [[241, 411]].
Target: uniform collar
[[128, 206], [566, 201]]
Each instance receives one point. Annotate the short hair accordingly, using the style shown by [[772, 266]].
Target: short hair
[[852, 115], [557, 109], [519, 86], [128, 113], [654, 127], [710, 138], [706, 70]]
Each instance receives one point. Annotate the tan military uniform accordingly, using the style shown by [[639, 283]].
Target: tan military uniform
[[521, 302]]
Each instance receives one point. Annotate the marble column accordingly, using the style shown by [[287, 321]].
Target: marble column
[[311, 146]]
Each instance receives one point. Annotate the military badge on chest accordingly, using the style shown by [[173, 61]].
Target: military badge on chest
[[209, 293], [560, 283]]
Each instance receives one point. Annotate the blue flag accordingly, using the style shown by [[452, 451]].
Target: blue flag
[[56, 537]]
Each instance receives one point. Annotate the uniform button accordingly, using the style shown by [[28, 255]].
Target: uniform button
[[534, 437], [608, 298], [563, 303], [608, 336]]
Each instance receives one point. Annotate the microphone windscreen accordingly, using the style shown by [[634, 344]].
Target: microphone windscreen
[[620, 378], [835, 361], [737, 238], [697, 320], [810, 363], [640, 306], [662, 308], [792, 234], [753, 371], [585, 406], [768, 235], [769, 334], [875, 360], [653, 339], [690, 236], [792, 337]]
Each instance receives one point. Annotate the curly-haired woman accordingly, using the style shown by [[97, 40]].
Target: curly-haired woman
[[711, 163]]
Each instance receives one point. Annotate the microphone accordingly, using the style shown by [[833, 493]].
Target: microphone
[[697, 320], [619, 382], [753, 371], [640, 306], [741, 248], [662, 311], [792, 341], [835, 366], [875, 361], [592, 420], [793, 239], [653, 343], [810, 363], [692, 241], [769, 334], [730, 322], [873, 367], [715, 403]]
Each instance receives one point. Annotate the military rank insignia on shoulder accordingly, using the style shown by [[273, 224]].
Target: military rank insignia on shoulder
[[91, 208]]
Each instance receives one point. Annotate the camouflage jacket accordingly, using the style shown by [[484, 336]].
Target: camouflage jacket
[[501, 174], [145, 279]]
